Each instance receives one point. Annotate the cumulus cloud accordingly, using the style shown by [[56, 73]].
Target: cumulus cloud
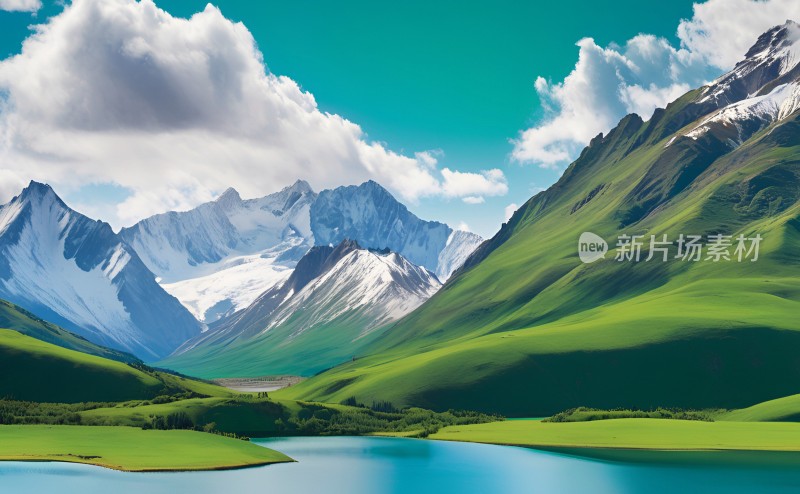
[[429, 158], [473, 199], [20, 5], [457, 184], [510, 210], [645, 73], [721, 31], [176, 110]]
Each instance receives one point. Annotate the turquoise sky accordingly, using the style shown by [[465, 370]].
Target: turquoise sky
[[418, 75]]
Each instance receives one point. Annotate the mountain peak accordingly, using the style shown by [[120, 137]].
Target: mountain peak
[[375, 190], [36, 189], [773, 60], [372, 185], [229, 194], [300, 186], [229, 198], [345, 247], [775, 40]]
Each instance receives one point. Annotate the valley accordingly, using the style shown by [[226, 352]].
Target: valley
[[195, 339]]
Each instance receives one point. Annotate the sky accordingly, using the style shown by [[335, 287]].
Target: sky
[[463, 110]]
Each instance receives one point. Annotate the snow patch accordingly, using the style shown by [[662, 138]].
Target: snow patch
[[759, 111]]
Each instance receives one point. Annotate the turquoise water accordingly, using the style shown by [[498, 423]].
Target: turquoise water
[[362, 465]]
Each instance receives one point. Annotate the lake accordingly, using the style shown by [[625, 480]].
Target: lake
[[372, 465]]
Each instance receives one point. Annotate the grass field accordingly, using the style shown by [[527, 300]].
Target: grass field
[[130, 449], [652, 434]]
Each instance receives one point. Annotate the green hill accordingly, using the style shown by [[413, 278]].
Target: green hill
[[19, 319], [527, 329], [38, 371], [786, 409], [35, 370]]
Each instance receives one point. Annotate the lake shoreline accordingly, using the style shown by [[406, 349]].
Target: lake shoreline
[[380, 465], [643, 440], [131, 449], [117, 468], [674, 456]]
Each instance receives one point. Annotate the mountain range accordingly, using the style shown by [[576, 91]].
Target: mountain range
[[137, 291], [219, 257], [525, 328]]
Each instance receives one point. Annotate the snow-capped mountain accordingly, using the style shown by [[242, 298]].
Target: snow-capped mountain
[[459, 246], [219, 257], [370, 215], [78, 273], [770, 62], [762, 89], [381, 285], [334, 299]]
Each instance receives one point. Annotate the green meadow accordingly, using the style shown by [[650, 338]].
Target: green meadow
[[655, 434], [131, 449]]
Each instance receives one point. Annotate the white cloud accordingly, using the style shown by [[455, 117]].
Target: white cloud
[[721, 31], [647, 72], [458, 184], [429, 158], [176, 110], [20, 5], [473, 199], [509, 211], [463, 227]]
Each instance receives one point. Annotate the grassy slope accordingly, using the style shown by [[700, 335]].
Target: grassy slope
[[34, 370], [279, 351], [513, 371], [633, 434], [17, 318], [785, 409], [38, 371], [130, 449], [531, 331]]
